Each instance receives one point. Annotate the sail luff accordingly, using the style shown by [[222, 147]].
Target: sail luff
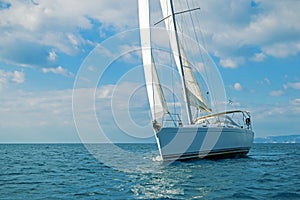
[[155, 94]]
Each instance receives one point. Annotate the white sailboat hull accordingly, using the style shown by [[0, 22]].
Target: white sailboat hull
[[180, 143]]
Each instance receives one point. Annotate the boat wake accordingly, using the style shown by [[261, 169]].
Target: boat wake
[[157, 159]]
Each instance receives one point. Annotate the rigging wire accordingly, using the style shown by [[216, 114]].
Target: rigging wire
[[154, 105], [173, 87], [205, 67]]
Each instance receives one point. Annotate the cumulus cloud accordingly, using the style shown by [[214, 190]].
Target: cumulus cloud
[[11, 76], [232, 62], [52, 56], [56, 25], [237, 87], [58, 70], [270, 28], [228, 63]]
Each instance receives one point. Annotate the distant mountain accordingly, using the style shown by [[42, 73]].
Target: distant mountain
[[279, 139]]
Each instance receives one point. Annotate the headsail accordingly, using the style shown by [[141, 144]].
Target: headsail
[[156, 97], [193, 90], [195, 95]]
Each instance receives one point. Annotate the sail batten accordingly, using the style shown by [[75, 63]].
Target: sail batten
[[155, 93]]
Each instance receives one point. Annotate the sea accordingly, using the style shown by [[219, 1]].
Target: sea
[[75, 171]]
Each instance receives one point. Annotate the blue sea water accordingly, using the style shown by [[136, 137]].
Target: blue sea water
[[69, 171]]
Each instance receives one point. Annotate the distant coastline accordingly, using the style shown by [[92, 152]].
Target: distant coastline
[[278, 139]]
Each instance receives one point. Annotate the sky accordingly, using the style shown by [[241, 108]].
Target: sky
[[47, 48]]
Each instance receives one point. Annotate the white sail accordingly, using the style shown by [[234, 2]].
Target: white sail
[[168, 14], [160, 106], [203, 137], [169, 23], [193, 90], [156, 97], [195, 95]]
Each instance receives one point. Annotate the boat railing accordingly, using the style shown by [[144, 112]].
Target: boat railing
[[235, 118], [171, 119]]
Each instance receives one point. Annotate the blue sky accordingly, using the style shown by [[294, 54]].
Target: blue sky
[[256, 45]]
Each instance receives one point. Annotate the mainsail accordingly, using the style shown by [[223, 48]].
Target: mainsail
[[156, 97], [193, 90]]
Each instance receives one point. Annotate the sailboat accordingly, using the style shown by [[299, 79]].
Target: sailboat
[[213, 133]]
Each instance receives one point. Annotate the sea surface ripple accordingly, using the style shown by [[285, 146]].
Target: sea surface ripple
[[69, 171]]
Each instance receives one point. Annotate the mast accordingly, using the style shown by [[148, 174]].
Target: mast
[[187, 103]]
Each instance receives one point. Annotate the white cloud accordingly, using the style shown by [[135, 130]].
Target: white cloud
[[280, 92], [58, 70], [73, 40], [52, 56], [11, 76], [228, 63], [295, 102], [232, 62], [37, 117], [92, 68], [18, 77], [281, 118], [259, 57], [105, 92], [288, 111], [282, 49], [56, 24], [3, 80], [295, 85], [56, 106], [130, 54], [34, 109], [270, 27], [264, 81], [122, 107], [276, 93], [55, 16], [237, 87]]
